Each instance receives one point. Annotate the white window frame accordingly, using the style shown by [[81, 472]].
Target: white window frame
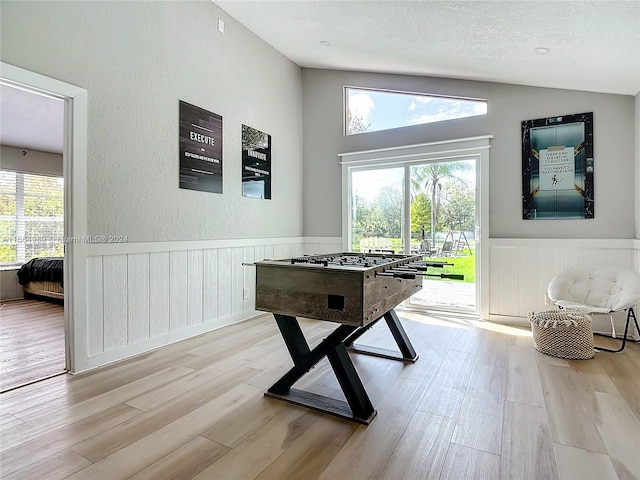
[[476, 148], [345, 116]]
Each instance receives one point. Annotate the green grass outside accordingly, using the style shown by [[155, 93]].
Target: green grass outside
[[465, 265], [461, 265]]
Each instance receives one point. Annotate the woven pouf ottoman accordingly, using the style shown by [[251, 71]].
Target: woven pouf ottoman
[[563, 333]]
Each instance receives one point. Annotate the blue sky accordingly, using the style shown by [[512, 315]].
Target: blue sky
[[386, 110]]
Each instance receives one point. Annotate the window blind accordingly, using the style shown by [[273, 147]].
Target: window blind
[[31, 217]]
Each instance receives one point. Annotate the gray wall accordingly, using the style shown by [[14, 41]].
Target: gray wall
[[137, 60], [508, 105]]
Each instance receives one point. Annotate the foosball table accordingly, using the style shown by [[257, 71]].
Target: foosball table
[[352, 289]]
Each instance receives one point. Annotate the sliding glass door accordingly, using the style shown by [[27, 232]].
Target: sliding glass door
[[428, 209], [443, 226], [378, 210]]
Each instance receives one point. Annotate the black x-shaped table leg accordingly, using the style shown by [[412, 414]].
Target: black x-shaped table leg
[[358, 407]]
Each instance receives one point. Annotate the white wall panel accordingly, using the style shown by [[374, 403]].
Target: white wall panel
[[115, 301], [159, 274], [548, 267], [594, 256], [138, 297], [286, 250], [210, 287], [620, 257], [538, 261], [529, 295], [95, 306], [259, 253], [178, 291], [249, 274], [494, 280], [509, 275], [194, 287], [570, 257], [237, 279], [224, 282], [297, 250], [277, 252]]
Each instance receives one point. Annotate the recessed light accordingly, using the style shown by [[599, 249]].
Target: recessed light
[[542, 50], [324, 43]]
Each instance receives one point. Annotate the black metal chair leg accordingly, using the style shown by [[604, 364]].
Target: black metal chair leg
[[630, 314]]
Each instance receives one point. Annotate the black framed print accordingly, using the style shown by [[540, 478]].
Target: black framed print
[[256, 163], [557, 167], [200, 149]]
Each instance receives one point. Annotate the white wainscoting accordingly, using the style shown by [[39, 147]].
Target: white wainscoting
[[145, 295], [520, 270]]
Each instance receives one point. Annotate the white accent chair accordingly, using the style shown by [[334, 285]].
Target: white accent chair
[[599, 290]]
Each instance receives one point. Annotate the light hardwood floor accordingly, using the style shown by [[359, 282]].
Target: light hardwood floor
[[31, 341], [480, 403]]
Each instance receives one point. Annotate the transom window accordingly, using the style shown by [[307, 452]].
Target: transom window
[[371, 110], [31, 217]]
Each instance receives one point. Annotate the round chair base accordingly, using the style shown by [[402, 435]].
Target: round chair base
[[563, 333]]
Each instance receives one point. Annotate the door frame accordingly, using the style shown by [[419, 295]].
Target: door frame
[[448, 150], [74, 160]]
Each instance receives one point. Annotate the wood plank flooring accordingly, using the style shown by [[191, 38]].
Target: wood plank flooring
[[480, 403], [31, 342]]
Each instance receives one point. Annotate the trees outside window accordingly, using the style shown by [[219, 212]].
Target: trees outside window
[[442, 199], [31, 217], [431, 178], [420, 213], [458, 212]]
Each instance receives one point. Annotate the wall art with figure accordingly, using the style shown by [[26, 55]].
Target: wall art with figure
[[557, 167]]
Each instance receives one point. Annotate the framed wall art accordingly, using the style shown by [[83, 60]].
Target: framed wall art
[[557, 167], [256, 163], [200, 149]]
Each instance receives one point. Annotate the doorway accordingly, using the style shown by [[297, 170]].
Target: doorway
[[429, 200], [31, 236], [437, 200], [443, 226], [74, 168]]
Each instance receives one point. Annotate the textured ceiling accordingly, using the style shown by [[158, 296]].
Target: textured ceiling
[[595, 45]]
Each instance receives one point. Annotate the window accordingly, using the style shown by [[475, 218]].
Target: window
[[31, 217], [369, 110]]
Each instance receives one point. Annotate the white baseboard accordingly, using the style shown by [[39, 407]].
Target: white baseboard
[[129, 351], [509, 320], [601, 324]]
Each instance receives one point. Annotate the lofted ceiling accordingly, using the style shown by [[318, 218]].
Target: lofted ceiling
[[594, 44]]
